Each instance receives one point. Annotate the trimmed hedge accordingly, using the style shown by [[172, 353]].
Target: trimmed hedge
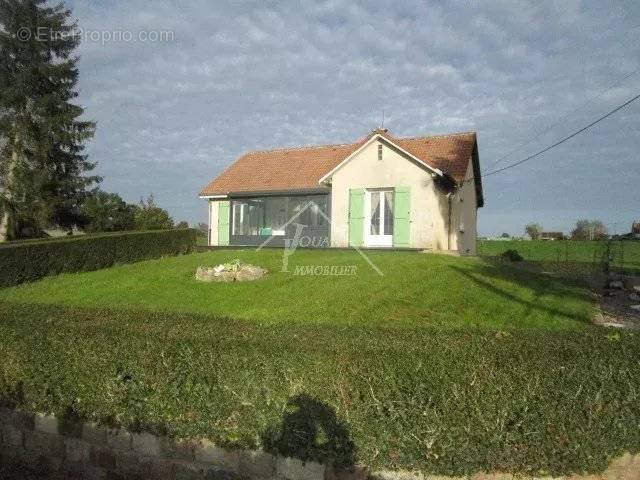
[[444, 401], [28, 261]]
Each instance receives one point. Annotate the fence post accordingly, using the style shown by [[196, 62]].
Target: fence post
[[607, 253]]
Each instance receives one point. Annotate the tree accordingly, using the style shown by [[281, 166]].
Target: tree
[[151, 217], [533, 230], [599, 230], [42, 167], [505, 235], [107, 212], [182, 225], [589, 230]]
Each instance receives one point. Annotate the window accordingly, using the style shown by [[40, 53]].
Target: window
[[388, 213], [247, 217], [267, 216], [381, 212], [379, 152]]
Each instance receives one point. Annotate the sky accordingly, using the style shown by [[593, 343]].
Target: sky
[[180, 89]]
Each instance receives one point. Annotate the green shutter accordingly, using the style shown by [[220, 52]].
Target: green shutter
[[223, 223], [356, 217], [402, 217]]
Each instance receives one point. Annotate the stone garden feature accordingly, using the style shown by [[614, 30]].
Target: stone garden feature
[[234, 271]]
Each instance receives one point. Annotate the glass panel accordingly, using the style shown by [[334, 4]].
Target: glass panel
[[247, 217], [309, 210], [267, 216], [297, 209], [275, 215], [254, 216], [319, 211], [237, 223], [388, 213], [375, 213]]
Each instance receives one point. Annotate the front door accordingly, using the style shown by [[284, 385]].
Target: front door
[[379, 206]]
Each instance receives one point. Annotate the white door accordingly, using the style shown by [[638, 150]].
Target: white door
[[379, 208]]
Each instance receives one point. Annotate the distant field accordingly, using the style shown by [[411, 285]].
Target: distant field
[[624, 253]]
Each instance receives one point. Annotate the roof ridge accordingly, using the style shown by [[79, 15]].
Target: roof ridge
[[301, 147], [442, 135], [333, 145]]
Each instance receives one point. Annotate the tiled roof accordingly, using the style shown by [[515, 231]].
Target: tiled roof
[[301, 168]]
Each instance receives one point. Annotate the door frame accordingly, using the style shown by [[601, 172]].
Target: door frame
[[376, 240]]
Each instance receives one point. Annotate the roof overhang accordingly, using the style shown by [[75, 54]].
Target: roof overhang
[[381, 138], [322, 190], [281, 193], [212, 197], [477, 175]]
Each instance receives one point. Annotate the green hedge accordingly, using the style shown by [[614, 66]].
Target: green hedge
[[28, 261], [444, 401]]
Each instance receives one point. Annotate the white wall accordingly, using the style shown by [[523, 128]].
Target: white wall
[[429, 207], [213, 222], [464, 214]]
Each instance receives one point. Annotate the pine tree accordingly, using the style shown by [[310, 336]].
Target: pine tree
[[43, 171]]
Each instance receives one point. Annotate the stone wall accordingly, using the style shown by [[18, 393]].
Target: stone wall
[[85, 450], [89, 451]]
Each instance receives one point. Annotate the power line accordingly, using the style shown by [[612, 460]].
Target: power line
[[559, 142], [550, 127]]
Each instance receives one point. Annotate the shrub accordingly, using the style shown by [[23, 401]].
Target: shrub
[[31, 260], [444, 401], [512, 255]]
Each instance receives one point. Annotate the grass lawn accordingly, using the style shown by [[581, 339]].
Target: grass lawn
[[447, 365], [624, 253], [415, 289]]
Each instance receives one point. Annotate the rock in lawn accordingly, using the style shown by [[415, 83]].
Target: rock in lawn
[[636, 288], [635, 297], [635, 307], [235, 271]]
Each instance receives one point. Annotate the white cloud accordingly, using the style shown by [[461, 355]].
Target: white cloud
[[240, 76]]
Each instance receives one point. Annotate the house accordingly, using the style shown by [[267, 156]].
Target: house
[[635, 230], [552, 236], [381, 191]]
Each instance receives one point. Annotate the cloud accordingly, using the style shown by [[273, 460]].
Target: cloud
[[246, 75]]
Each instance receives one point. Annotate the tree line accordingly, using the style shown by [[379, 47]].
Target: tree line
[[46, 178], [584, 230]]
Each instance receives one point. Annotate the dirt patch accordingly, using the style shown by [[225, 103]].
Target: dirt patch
[[614, 294], [617, 302]]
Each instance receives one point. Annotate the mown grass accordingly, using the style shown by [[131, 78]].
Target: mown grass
[[415, 289], [623, 253]]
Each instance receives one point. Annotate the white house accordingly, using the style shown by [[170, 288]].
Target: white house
[[381, 191]]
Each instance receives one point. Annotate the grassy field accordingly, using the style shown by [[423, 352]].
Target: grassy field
[[446, 365], [624, 253], [415, 289]]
